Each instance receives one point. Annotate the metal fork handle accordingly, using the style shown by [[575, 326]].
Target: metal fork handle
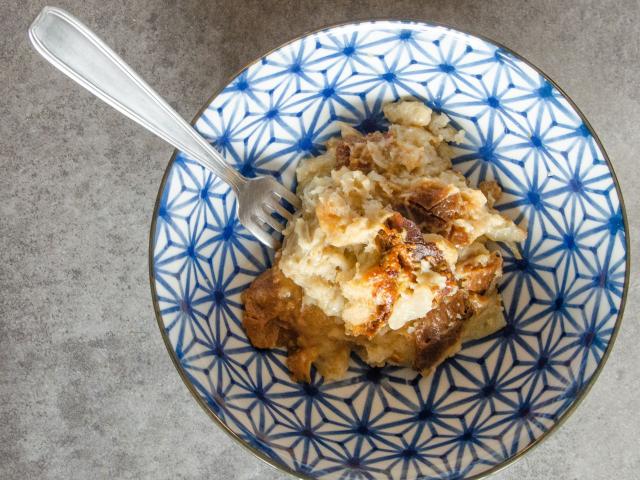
[[76, 51]]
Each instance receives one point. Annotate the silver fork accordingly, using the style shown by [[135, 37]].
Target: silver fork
[[76, 51]]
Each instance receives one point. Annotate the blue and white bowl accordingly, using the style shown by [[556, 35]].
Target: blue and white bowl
[[563, 299]]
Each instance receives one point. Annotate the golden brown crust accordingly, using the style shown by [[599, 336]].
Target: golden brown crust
[[353, 151], [477, 276], [271, 303], [491, 190], [433, 207], [440, 331], [343, 155], [275, 317], [402, 246]]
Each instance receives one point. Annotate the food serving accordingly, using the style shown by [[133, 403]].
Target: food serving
[[392, 255]]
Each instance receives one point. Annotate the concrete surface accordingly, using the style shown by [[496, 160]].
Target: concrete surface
[[87, 389]]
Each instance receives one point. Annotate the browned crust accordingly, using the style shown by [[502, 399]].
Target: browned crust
[[439, 332], [433, 207], [403, 247], [477, 277], [271, 304], [343, 155], [275, 317], [491, 190], [352, 151]]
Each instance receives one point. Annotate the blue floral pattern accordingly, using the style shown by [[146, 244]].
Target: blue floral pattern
[[562, 295]]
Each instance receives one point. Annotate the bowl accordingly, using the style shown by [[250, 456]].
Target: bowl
[[563, 297]]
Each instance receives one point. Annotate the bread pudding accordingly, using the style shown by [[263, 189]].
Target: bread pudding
[[392, 255]]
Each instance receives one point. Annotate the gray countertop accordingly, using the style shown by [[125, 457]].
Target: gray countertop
[[87, 389]]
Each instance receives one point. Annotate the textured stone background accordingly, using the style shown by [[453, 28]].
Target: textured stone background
[[87, 389]]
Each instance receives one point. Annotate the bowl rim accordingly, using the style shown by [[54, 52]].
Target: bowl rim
[[587, 388]]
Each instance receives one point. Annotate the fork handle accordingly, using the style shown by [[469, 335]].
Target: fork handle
[[76, 51]]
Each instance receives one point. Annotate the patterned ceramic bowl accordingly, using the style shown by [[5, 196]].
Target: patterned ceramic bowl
[[563, 299]]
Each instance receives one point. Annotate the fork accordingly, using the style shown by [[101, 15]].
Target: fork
[[76, 51]]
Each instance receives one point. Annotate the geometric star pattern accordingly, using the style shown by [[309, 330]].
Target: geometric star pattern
[[563, 293]]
